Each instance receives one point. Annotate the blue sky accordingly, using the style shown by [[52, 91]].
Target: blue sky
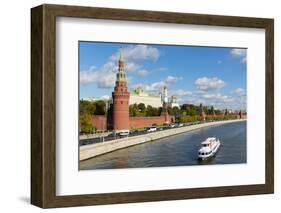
[[208, 75]]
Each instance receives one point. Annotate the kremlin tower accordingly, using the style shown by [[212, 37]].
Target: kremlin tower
[[165, 104], [202, 113], [120, 97]]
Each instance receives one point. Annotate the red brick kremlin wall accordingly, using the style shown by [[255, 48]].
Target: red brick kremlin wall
[[100, 121], [139, 122]]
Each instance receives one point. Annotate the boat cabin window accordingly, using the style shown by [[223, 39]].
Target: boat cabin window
[[204, 153], [205, 145]]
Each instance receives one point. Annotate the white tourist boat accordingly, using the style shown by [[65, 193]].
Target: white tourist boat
[[209, 148]]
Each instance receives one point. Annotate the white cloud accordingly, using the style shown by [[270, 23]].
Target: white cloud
[[205, 83], [105, 97], [239, 91], [214, 96], [131, 66], [200, 92], [238, 52], [181, 92], [162, 69], [142, 73], [105, 75], [154, 87], [158, 86], [218, 100], [172, 79], [138, 52], [236, 99]]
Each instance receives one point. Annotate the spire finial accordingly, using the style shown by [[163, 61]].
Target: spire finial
[[121, 57]]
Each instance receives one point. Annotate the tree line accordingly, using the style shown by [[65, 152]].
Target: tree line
[[136, 110], [184, 113]]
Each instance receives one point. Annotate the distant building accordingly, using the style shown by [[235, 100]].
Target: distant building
[[173, 102], [138, 95]]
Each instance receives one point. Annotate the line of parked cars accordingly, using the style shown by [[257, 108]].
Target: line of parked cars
[[149, 129], [127, 133]]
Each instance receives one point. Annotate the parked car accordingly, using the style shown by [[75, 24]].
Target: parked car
[[124, 133], [172, 125], [151, 129]]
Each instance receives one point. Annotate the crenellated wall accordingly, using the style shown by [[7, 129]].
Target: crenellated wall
[[139, 122], [100, 122]]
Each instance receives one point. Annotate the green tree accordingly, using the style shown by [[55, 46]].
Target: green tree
[[160, 109], [154, 111], [151, 111], [212, 111], [184, 107], [175, 110], [141, 107], [191, 112], [87, 107], [133, 110], [100, 108], [86, 123]]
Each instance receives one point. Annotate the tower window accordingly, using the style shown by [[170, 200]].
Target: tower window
[[121, 102]]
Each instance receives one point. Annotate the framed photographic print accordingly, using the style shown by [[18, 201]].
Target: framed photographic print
[[136, 106]]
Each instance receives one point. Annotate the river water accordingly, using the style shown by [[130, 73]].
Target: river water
[[178, 150]]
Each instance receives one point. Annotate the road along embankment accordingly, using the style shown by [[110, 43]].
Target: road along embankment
[[93, 150]]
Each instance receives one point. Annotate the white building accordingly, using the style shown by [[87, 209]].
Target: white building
[[138, 96], [173, 102]]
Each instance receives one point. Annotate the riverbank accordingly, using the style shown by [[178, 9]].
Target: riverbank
[[93, 150]]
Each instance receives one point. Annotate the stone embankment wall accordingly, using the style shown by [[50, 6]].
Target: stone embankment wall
[[93, 150]]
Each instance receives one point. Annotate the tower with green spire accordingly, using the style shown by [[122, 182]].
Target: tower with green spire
[[121, 75], [120, 97]]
